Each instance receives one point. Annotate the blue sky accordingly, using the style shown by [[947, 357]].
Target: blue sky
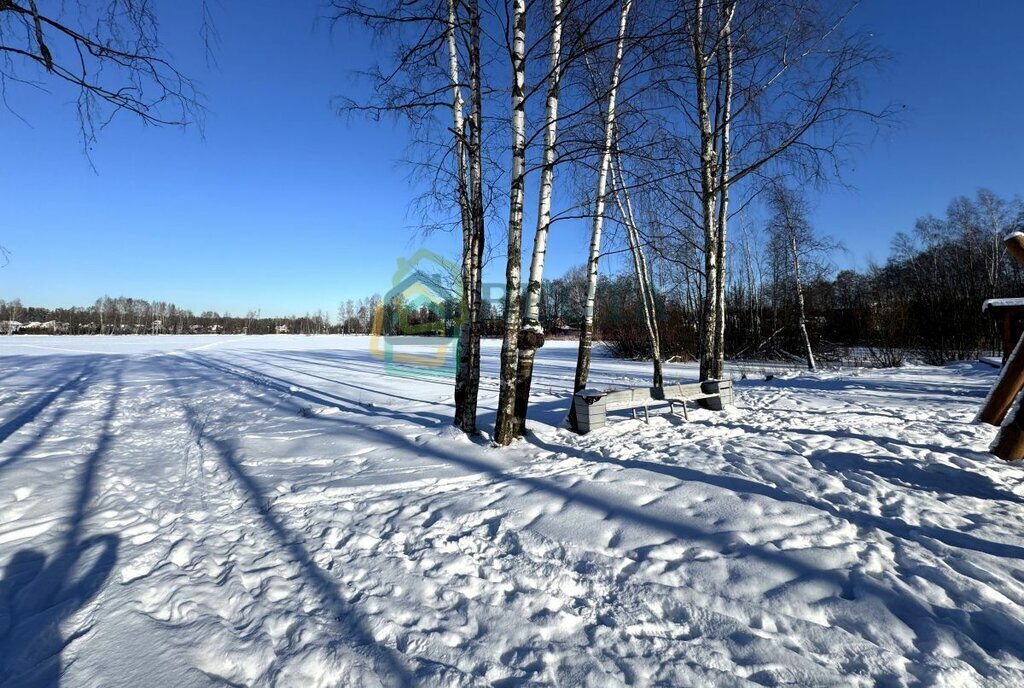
[[286, 207]]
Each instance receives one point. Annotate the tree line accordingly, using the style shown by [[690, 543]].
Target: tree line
[[786, 301], [126, 315]]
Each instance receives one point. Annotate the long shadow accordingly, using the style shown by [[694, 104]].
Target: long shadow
[[27, 363], [28, 414], [987, 627], [916, 389], [938, 478], [924, 620], [893, 526], [343, 383], [312, 360], [316, 396], [77, 389], [846, 435], [37, 595], [386, 663]]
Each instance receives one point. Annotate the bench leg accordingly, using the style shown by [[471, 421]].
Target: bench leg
[[672, 408], [686, 414], [646, 417], [634, 414]]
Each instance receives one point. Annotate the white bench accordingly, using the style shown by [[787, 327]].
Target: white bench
[[592, 406]]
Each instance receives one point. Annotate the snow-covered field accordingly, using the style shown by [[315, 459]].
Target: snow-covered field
[[286, 511]]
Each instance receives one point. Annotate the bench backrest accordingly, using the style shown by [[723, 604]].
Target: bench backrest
[[637, 396]]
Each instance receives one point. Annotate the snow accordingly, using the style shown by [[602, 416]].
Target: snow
[[1001, 303], [288, 511]]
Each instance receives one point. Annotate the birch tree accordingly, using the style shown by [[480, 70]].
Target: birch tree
[[645, 284], [793, 236], [756, 88], [587, 326], [531, 336], [436, 47], [505, 422], [468, 152]]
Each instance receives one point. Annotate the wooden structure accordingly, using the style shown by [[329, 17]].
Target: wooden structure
[[1003, 405], [592, 406], [1009, 314]]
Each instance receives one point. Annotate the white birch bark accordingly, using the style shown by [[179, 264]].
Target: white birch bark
[[587, 327], [474, 153], [800, 299], [725, 67], [462, 374], [531, 337], [504, 425], [643, 275], [709, 367]]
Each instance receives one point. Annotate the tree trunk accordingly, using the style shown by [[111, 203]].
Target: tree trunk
[[587, 327], [800, 301], [643, 275], [710, 365], [504, 424], [475, 250], [725, 123], [531, 336], [462, 373]]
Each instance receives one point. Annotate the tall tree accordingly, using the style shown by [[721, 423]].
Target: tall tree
[[645, 284], [792, 233], [505, 426], [531, 336], [755, 88], [436, 46], [600, 198]]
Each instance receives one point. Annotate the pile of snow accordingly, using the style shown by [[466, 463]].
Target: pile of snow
[[291, 511]]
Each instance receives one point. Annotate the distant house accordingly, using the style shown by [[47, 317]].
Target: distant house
[[195, 329], [281, 329], [56, 327], [10, 326], [157, 327], [216, 329]]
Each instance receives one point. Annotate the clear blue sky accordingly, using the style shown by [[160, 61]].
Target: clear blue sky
[[286, 207]]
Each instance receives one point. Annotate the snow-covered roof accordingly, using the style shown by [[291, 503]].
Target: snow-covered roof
[[1002, 303]]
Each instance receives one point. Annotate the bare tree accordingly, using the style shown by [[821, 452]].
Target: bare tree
[[640, 268], [110, 52], [505, 423], [752, 88], [793, 236], [436, 47], [531, 336], [600, 198]]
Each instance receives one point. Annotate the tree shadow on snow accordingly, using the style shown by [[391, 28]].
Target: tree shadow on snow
[[385, 662], [993, 630], [65, 381], [38, 594], [876, 440]]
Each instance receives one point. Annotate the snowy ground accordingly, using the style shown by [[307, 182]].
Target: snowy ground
[[285, 511]]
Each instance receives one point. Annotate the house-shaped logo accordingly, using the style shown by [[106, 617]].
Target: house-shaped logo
[[416, 324]]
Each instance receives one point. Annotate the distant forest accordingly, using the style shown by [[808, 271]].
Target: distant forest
[[923, 303]]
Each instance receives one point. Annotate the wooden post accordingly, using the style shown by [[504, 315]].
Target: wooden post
[[1009, 443], [1006, 388], [1015, 246]]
